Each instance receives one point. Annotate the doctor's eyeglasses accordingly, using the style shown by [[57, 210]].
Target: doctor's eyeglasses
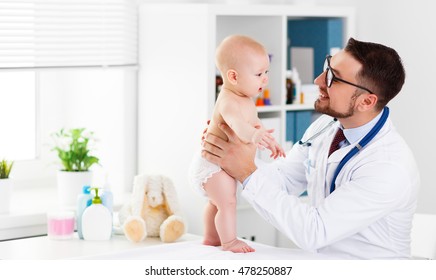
[[330, 76]]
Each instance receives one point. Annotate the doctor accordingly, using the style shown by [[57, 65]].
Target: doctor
[[363, 195]]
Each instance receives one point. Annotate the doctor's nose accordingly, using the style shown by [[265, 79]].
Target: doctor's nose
[[320, 80]]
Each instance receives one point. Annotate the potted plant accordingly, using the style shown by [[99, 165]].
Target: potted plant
[[73, 148], [5, 185]]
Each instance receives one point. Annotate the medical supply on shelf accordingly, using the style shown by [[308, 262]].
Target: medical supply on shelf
[[259, 101], [297, 85], [60, 225], [289, 88], [84, 200], [107, 197], [97, 220], [266, 98]]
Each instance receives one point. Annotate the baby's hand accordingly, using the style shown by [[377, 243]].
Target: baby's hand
[[271, 144], [276, 150]]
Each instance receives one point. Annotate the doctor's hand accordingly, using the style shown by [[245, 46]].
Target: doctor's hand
[[234, 156]]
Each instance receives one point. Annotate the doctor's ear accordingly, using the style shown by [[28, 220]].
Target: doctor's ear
[[368, 101], [232, 76]]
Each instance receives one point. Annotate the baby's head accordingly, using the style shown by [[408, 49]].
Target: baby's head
[[244, 64]]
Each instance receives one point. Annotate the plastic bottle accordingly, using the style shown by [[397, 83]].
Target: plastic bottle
[[83, 201], [297, 82], [96, 220], [259, 101], [302, 97], [218, 84], [107, 197], [289, 87], [266, 99]]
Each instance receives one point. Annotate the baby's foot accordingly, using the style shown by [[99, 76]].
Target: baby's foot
[[210, 241], [237, 246]]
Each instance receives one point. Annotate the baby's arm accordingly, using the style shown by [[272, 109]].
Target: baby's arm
[[248, 133], [271, 144]]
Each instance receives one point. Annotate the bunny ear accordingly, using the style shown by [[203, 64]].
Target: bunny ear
[[169, 192], [139, 189]]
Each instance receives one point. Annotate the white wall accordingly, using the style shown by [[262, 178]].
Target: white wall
[[171, 119]]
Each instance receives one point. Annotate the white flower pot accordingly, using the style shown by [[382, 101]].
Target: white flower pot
[[70, 185], [5, 195]]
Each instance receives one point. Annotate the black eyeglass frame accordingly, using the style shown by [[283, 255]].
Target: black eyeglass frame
[[328, 68]]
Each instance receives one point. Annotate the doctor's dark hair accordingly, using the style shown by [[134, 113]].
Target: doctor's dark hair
[[382, 70]]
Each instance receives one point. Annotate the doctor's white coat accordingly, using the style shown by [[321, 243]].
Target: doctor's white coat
[[368, 216]]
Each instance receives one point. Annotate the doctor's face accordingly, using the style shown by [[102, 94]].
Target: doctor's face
[[339, 99]]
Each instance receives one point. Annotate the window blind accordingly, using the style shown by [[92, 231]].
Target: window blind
[[68, 33]]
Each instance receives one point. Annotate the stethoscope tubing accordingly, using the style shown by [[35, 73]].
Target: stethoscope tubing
[[308, 142], [356, 149]]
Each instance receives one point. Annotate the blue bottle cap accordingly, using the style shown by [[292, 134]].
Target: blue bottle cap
[[86, 189]]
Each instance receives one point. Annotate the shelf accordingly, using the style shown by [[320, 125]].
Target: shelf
[[290, 107], [269, 108], [298, 107]]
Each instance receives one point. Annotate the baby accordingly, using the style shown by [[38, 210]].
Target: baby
[[244, 65]]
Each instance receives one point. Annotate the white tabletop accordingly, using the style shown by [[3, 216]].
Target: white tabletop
[[43, 248], [188, 247]]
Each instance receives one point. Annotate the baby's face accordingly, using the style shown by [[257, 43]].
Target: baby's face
[[253, 74]]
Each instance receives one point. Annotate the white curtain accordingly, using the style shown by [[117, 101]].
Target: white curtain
[[68, 33]]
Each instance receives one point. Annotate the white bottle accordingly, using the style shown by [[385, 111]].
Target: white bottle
[[96, 220]]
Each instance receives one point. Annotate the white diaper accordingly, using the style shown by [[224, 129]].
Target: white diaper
[[200, 171]]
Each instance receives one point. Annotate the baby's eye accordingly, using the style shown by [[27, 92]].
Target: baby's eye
[[266, 72], [258, 75]]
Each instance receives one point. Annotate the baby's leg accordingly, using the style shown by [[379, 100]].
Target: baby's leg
[[221, 190], [210, 234]]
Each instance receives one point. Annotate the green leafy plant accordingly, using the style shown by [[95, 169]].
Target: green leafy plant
[[5, 168], [73, 148]]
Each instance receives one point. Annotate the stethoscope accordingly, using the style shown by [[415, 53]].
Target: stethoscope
[[308, 142], [356, 149]]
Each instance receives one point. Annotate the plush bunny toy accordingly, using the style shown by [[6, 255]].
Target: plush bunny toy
[[153, 210]]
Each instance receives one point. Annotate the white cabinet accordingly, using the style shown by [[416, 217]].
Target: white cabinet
[[177, 78]]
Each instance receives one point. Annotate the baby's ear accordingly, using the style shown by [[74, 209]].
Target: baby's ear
[[232, 76]]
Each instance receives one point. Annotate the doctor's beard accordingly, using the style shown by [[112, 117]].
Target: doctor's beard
[[335, 114]]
